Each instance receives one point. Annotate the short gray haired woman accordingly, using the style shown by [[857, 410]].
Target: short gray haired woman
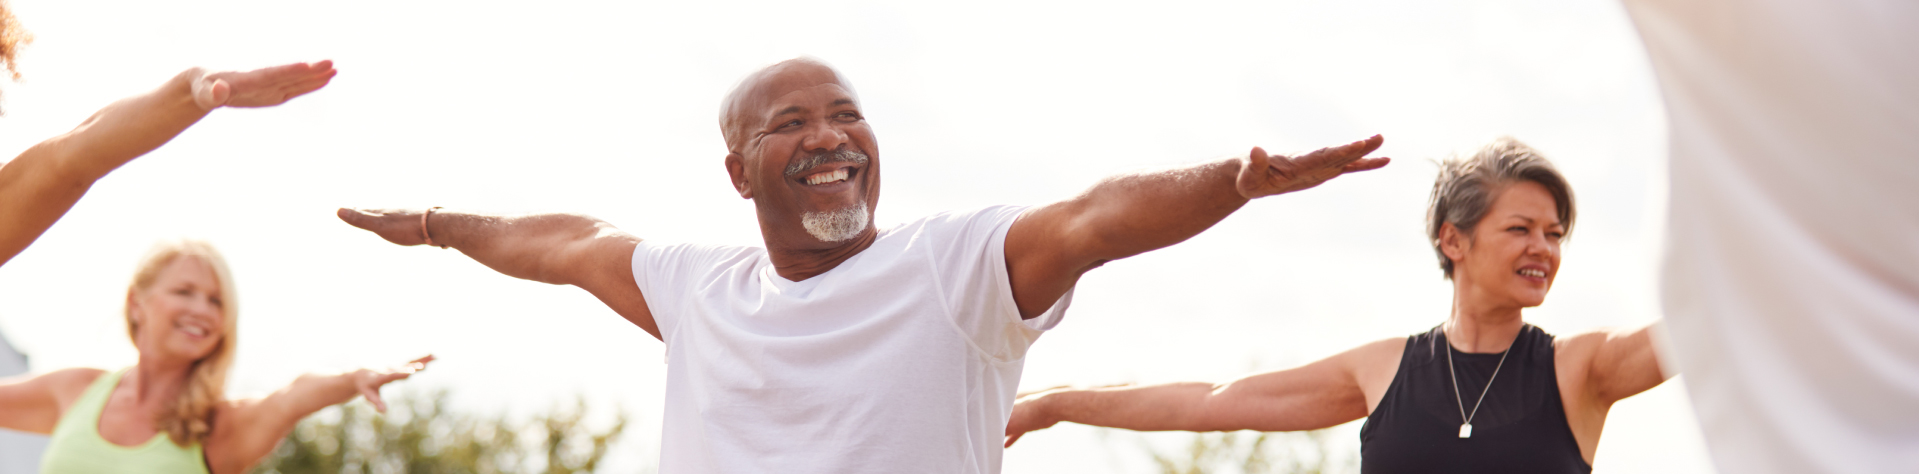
[[1481, 392]]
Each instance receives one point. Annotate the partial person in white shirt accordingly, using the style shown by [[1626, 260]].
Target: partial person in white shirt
[[839, 347], [1791, 286]]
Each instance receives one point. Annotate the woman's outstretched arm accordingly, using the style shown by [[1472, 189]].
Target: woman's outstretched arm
[[33, 403], [45, 181], [247, 430], [1322, 394], [1619, 363]]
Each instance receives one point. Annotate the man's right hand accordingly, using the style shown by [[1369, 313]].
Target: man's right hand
[[553, 248], [400, 226], [1264, 175]]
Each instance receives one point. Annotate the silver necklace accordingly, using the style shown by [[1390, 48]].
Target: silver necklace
[[1466, 429]]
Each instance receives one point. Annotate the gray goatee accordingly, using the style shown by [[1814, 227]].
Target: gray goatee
[[839, 225]]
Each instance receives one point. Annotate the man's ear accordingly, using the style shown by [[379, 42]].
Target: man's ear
[[736, 169], [1453, 243]]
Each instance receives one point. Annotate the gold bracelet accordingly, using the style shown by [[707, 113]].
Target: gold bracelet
[[423, 232]]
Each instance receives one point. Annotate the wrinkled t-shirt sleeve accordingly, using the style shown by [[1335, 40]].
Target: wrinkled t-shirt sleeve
[[970, 253], [666, 273]]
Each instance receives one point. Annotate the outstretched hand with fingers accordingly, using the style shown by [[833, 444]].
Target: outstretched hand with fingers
[[1028, 416], [264, 87], [399, 226], [368, 382], [1264, 175]]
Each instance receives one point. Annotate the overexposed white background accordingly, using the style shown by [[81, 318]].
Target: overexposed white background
[[610, 109]]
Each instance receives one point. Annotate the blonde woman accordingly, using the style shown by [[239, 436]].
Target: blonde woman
[[168, 413]]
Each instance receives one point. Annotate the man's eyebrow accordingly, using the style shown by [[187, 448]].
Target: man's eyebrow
[[793, 109], [789, 110]]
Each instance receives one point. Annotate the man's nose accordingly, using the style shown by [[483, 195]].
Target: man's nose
[[823, 135]]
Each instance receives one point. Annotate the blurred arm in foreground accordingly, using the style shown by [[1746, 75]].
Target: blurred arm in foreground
[[41, 184]]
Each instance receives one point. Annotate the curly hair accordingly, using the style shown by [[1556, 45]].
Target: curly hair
[[12, 38]]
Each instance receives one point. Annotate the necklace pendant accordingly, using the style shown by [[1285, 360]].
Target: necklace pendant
[[1465, 430]]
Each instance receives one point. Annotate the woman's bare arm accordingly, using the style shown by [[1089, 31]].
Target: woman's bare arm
[[247, 430], [1624, 363], [1322, 394], [45, 181], [34, 403]]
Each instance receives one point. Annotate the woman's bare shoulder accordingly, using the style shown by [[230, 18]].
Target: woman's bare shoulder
[[67, 384], [1379, 352]]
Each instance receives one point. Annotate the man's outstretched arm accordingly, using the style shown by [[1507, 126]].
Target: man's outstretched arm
[[1052, 245], [45, 181], [561, 249]]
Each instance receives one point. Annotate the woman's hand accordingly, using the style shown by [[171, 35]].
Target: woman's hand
[[263, 87], [247, 430], [368, 382]]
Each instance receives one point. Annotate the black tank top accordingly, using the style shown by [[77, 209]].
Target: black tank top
[[1520, 428]]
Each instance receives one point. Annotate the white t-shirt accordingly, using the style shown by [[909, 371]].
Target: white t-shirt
[[1791, 284], [904, 358]]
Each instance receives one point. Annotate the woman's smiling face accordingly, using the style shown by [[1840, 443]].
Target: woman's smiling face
[[181, 316], [1512, 256]]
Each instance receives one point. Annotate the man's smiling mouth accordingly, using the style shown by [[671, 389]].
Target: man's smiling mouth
[[828, 177]]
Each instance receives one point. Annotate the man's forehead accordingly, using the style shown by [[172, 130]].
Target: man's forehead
[[808, 99], [754, 100], [782, 87]]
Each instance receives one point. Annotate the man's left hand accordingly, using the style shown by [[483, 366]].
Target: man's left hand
[[1262, 175]]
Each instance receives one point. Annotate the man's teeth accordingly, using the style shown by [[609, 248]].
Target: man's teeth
[[827, 177], [1533, 272]]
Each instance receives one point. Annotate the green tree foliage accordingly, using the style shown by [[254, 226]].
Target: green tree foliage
[[420, 436], [1251, 452]]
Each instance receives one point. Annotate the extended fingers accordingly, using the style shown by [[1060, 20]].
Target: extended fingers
[[358, 218], [420, 364], [1367, 164], [1340, 156], [397, 226], [389, 377], [293, 72], [372, 395], [309, 84], [275, 85]]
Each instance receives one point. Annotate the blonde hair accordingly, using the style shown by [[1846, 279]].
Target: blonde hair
[[189, 418], [1468, 184]]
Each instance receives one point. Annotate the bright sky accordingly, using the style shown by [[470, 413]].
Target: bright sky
[[610, 110]]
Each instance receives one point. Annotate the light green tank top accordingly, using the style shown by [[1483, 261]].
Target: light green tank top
[[77, 448]]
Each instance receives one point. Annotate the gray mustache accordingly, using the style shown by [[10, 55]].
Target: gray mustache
[[840, 156]]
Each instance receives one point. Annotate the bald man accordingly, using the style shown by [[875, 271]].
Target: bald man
[[840, 347]]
